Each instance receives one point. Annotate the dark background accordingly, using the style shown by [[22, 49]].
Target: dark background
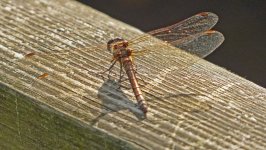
[[242, 22]]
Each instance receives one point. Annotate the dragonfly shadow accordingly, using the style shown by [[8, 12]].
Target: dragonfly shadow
[[114, 99]]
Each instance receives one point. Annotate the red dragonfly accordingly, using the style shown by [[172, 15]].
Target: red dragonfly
[[193, 35]]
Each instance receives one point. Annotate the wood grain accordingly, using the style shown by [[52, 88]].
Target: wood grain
[[52, 97]]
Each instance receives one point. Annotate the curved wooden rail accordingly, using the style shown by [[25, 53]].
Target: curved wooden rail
[[52, 98]]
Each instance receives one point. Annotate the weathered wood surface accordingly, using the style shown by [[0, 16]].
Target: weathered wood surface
[[193, 104]]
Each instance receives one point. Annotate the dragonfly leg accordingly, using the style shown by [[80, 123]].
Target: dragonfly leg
[[109, 70], [125, 87], [122, 73]]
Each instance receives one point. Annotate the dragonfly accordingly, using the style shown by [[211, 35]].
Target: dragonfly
[[193, 35]]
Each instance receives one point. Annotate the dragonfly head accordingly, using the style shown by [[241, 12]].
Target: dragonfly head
[[117, 43]]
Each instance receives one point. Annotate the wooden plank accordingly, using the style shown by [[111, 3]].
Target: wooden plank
[[193, 103]]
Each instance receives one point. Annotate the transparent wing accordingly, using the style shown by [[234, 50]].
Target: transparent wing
[[192, 35], [196, 24], [183, 35], [201, 44], [189, 35]]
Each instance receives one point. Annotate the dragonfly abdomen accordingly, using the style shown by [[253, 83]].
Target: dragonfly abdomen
[[128, 66]]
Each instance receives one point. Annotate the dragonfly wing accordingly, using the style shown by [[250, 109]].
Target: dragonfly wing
[[201, 44], [196, 24], [185, 35]]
